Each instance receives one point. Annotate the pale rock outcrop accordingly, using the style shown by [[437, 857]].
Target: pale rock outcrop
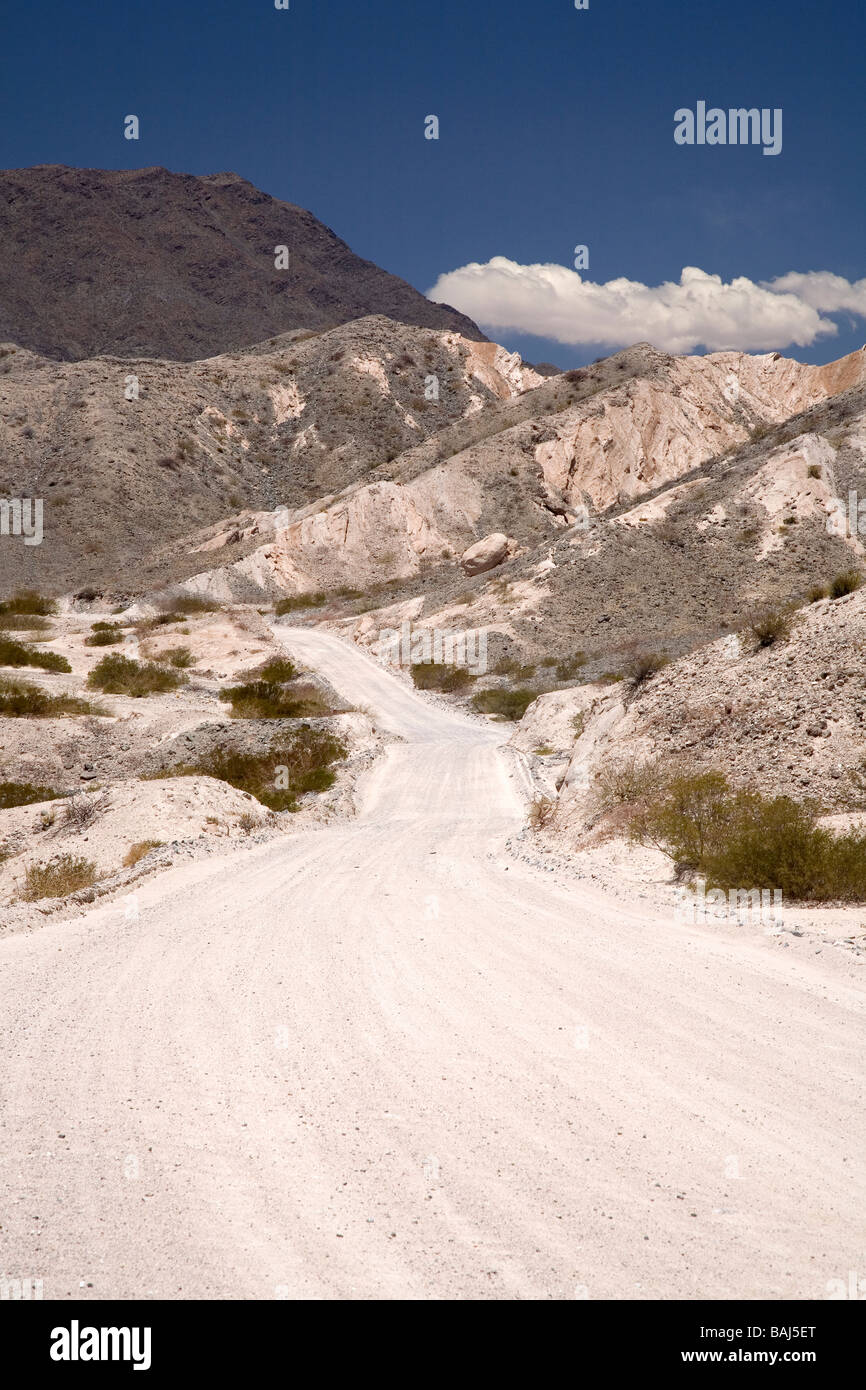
[[486, 554]]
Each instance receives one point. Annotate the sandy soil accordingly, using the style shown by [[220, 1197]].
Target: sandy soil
[[389, 1059]]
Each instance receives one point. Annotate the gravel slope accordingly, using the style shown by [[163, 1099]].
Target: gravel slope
[[384, 1060]]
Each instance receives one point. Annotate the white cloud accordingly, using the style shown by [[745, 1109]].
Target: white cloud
[[553, 301], [823, 290]]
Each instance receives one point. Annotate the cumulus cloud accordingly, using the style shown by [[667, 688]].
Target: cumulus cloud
[[701, 310], [821, 289]]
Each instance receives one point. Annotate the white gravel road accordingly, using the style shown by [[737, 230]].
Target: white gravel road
[[383, 1059]]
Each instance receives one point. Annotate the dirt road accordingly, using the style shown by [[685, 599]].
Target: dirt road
[[383, 1059]]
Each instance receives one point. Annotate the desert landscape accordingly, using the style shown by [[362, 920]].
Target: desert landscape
[[433, 784]]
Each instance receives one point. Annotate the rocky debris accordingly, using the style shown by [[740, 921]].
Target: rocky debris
[[789, 719]]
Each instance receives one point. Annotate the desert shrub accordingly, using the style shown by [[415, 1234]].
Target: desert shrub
[[160, 620], [277, 671], [65, 875], [23, 794], [428, 675], [249, 822], [82, 808], [517, 670], [741, 839], [30, 602], [848, 582], [641, 667], [21, 700], [179, 657], [541, 812], [297, 601], [120, 675], [14, 653], [137, 851], [104, 635], [568, 668], [301, 762], [22, 622], [188, 603], [625, 781], [506, 704], [770, 626], [814, 470], [817, 592], [262, 699]]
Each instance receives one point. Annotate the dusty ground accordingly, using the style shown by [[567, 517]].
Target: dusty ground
[[390, 1058]]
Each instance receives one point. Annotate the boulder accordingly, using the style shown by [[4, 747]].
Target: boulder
[[486, 554]]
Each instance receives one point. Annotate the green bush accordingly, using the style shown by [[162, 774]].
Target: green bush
[[263, 699], [277, 671], [66, 875], [297, 601], [23, 794], [120, 675], [741, 839], [29, 601], [506, 704], [104, 635], [22, 622], [188, 603], [14, 653], [430, 675], [848, 582], [300, 763], [21, 700], [179, 657]]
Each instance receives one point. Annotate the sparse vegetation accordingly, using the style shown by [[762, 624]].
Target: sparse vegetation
[[14, 653], [30, 602], [567, 669], [295, 602], [277, 671], [82, 808], [181, 658], [770, 626], [641, 667], [21, 700], [302, 762], [120, 675], [183, 604], [23, 794], [626, 781], [22, 622], [137, 852], [848, 582], [265, 699], [505, 704], [63, 876], [541, 812], [430, 675], [741, 839], [104, 635]]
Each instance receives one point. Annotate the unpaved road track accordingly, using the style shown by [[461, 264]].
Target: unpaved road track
[[385, 1060]]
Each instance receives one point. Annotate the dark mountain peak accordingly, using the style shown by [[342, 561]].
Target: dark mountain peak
[[148, 262]]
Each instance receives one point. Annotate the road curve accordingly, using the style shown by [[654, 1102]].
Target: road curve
[[383, 1059]]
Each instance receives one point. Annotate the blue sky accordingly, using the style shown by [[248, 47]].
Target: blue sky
[[556, 129]]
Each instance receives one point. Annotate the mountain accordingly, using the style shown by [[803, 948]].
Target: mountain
[[286, 423], [149, 263]]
